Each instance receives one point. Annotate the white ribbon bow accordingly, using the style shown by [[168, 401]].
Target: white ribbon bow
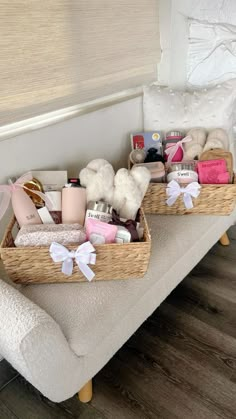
[[83, 256], [171, 150], [173, 190]]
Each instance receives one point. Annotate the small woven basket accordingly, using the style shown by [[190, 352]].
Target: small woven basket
[[114, 261], [213, 200]]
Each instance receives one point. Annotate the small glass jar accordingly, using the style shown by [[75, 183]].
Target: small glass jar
[[184, 172], [99, 210], [183, 176], [187, 165], [172, 137]]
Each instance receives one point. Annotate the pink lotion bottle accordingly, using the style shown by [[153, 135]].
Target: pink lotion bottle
[[24, 209]]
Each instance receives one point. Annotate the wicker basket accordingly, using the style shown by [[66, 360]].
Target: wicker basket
[[213, 200], [114, 261]]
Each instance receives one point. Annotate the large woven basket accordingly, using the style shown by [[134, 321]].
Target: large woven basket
[[114, 261], [213, 200]]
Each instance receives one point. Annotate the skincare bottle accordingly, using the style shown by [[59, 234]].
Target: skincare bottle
[[73, 204], [23, 207]]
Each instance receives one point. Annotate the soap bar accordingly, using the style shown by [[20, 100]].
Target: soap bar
[[45, 234]]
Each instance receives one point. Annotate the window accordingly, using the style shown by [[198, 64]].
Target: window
[[58, 53]]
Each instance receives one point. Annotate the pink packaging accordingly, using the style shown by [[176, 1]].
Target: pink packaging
[[178, 156], [172, 138], [98, 232], [213, 172]]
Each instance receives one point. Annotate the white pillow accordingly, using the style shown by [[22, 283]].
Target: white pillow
[[211, 53], [167, 109]]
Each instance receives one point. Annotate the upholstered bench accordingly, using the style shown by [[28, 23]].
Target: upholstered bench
[[59, 342]]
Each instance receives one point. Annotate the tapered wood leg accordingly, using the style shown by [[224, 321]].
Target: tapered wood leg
[[86, 392], [224, 240]]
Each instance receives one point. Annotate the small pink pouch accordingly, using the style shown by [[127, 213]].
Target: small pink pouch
[[99, 233]]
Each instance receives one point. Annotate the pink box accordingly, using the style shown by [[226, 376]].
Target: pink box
[[213, 172]]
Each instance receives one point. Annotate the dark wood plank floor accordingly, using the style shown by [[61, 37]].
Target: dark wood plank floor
[[181, 363]]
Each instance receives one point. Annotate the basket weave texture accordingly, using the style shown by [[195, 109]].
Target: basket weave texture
[[213, 200], [114, 261]]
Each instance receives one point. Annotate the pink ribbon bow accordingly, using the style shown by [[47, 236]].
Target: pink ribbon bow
[[170, 151], [8, 189]]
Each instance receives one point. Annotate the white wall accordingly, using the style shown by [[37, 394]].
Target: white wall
[[72, 143], [174, 16]]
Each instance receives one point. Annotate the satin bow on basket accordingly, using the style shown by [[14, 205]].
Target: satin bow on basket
[[83, 256], [173, 190]]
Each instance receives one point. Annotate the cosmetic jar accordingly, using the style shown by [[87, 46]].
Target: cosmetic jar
[[172, 137], [188, 165], [183, 176], [99, 210], [137, 156]]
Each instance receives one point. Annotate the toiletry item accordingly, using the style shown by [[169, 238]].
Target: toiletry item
[[218, 153], [213, 172], [30, 187], [45, 234], [52, 180], [73, 204], [157, 171], [99, 210], [123, 235], [99, 233], [183, 176], [55, 209], [147, 140], [23, 207], [137, 156], [55, 198], [130, 225], [173, 137], [74, 180], [45, 216]]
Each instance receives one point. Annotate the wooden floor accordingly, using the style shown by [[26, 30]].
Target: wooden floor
[[181, 363]]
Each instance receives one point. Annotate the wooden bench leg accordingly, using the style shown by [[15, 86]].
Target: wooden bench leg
[[85, 394], [224, 240]]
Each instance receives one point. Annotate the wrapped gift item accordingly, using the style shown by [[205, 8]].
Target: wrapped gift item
[[45, 234]]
